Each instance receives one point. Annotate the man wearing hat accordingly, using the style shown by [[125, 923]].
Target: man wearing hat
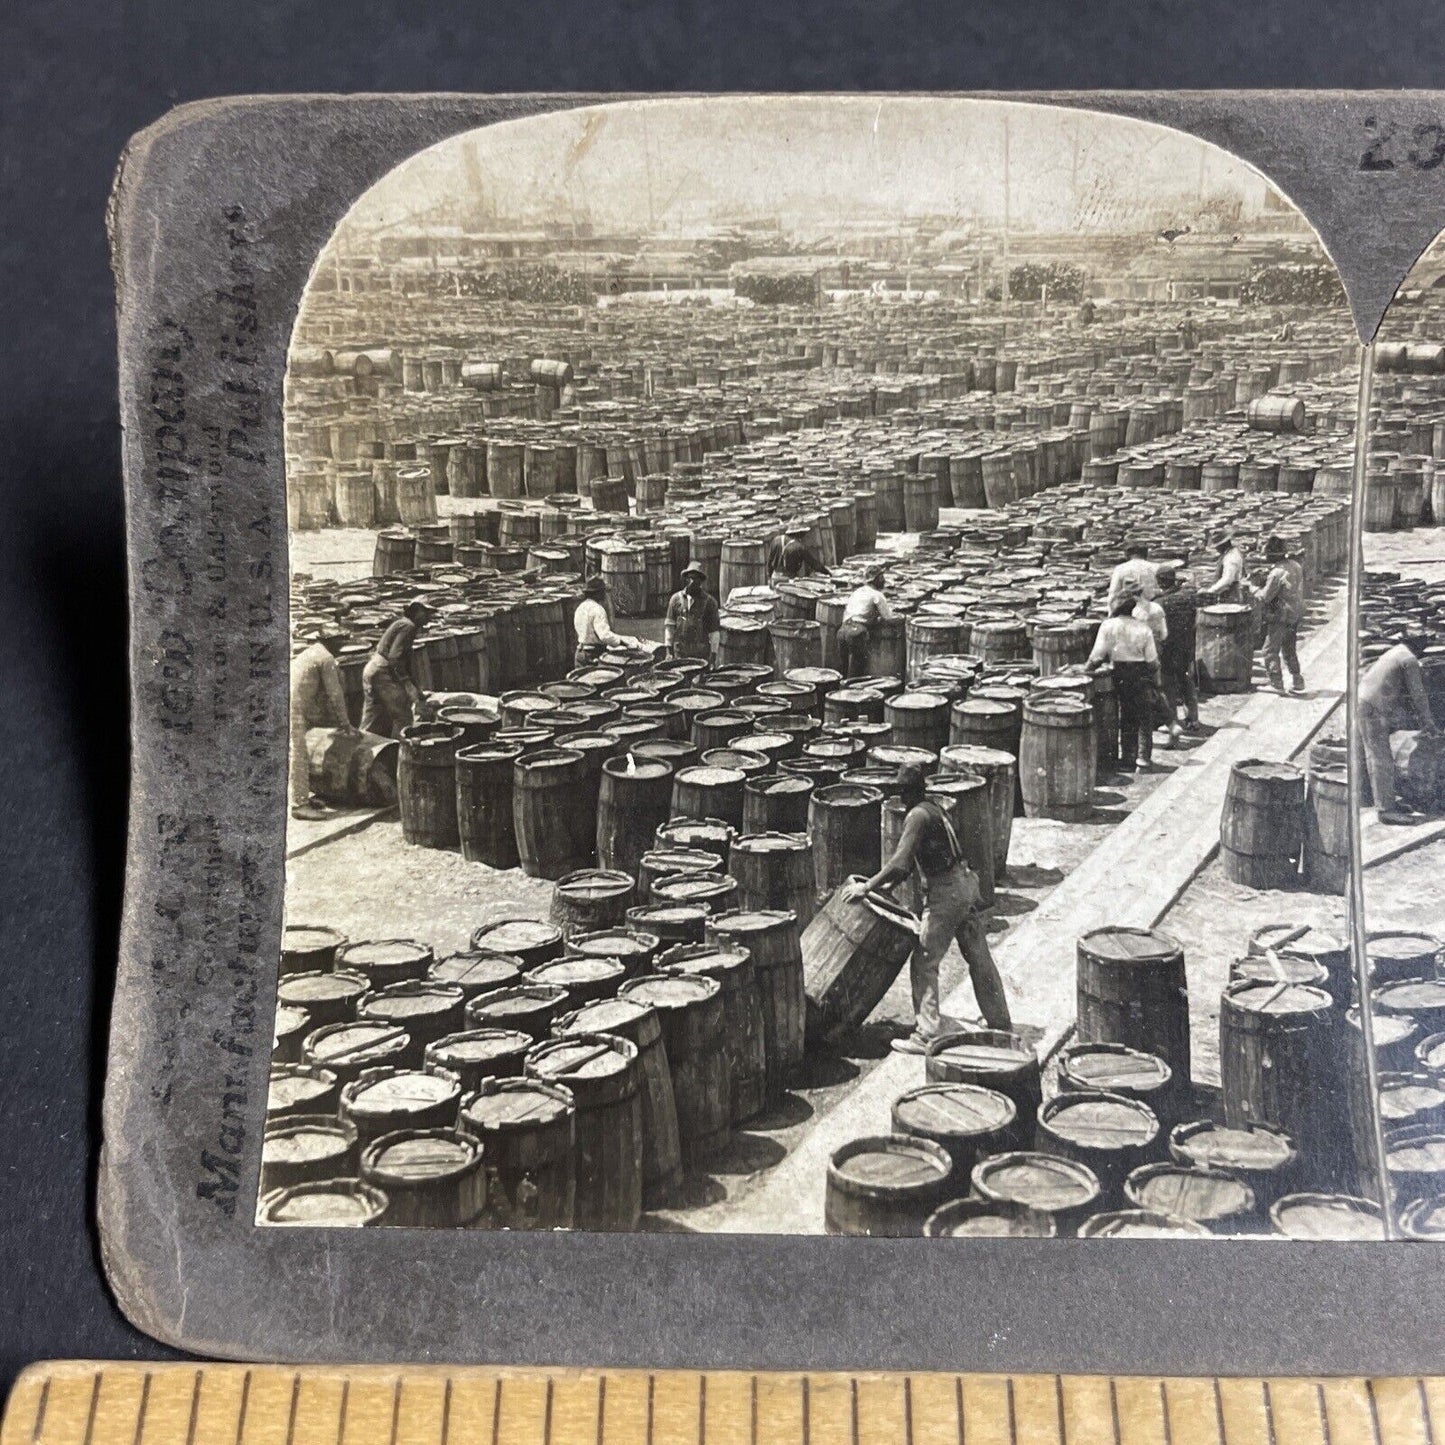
[[1134, 571], [1284, 609], [1229, 585], [951, 897], [592, 623], [692, 624], [393, 700], [790, 556], [1392, 696], [317, 701], [866, 608]]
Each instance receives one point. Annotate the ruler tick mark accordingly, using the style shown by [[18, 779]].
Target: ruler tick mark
[[702, 1410], [497, 1412], [1425, 1412], [140, 1414], [395, 1410], [341, 1414], [447, 1411], [601, 1406], [94, 1405], [40, 1408], [1219, 1413], [546, 1416], [1059, 1407], [1324, 1407], [1164, 1413], [1113, 1409], [244, 1405], [1013, 1424], [853, 1389], [291, 1412], [958, 1405], [1374, 1411], [908, 1409], [1268, 1401], [753, 1411], [651, 1391], [195, 1408]]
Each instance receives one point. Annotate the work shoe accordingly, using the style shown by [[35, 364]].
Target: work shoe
[[913, 1043], [1399, 816], [313, 810], [1298, 685]]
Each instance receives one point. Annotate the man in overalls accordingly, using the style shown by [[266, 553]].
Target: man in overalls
[[692, 624], [951, 897]]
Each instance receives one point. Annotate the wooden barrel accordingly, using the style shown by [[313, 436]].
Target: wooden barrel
[[477, 1054], [634, 949], [1420, 999], [694, 1032], [928, 637], [1261, 827], [709, 792], [775, 870], [776, 803], [717, 729], [668, 863], [426, 785], [1415, 1163], [1114, 1069], [1313, 1216], [1324, 950], [554, 837], [529, 1008], [987, 1219], [970, 1122], [591, 898], [326, 998], [1000, 770], [381, 1101], [1391, 954], [1260, 1155], [427, 1011], [845, 823], [965, 798], [485, 825], [1280, 1064], [1058, 759], [918, 719], [1214, 1198], [584, 978], [732, 968], [327, 1203], [603, 1074], [298, 1089], [347, 1050], [305, 1149], [885, 1186], [1063, 1189], [477, 724], [386, 960], [634, 798], [743, 563], [625, 571], [1276, 413], [527, 1130], [307, 948], [990, 1059], [1140, 1224], [1060, 645], [432, 1178], [1109, 1133], [1425, 1218], [796, 643], [852, 951], [772, 939], [639, 1024], [529, 940], [670, 922], [1225, 647], [1132, 991], [712, 892], [986, 722]]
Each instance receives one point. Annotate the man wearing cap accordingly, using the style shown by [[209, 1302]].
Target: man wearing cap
[[392, 699], [1284, 609], [866, 608], [317, 701], [1392, 695], [1229, 585], [790, 556], [1134, 571], [593, 625], [951, 897], [692, 624]]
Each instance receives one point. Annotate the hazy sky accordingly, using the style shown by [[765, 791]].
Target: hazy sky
[[820, 155]]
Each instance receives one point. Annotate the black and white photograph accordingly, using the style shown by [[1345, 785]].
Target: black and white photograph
[[820, 638]]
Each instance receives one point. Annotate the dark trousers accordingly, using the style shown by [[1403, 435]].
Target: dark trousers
[[1134, 683], [1179, 688], [1280, 637], [853, 651]]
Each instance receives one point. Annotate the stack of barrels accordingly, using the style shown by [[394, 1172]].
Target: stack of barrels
[[1284, 826]]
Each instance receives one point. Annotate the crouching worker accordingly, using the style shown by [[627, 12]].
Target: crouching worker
[[951, 897]]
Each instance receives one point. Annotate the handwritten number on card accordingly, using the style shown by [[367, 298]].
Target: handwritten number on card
[[1422, 148]]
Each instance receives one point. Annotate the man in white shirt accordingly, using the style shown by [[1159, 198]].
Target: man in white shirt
[[1127, 644], [1229, 585], [1134, 571], [317, 701], [866, 608], [594, 627]]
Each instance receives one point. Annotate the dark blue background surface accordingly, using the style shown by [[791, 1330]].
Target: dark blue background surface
[[79, 77]]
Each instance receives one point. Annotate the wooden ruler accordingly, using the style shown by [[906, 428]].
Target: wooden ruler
[[79, 1403]]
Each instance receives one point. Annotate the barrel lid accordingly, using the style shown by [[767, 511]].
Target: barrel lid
[[477, 1046], [390, 1091], [891, 1161], [773, 843], [668, 913], [1388, 1029], [1414, 1150], [1130, 945], [1141, 1224], [711, 960], [305, 989], [955, 1110], [1400, 946], [1272, 967], [1038, 1181], [1188, 1191], [1250, 1146], [416, 998], [613, 943], [291, 1018], [384, 953], [1266, 770], [582, 1056], [576, 969], [307, 938], [667, 862], [1097, 1120], [1269, 997], [1410, 995], [705, 776], [353, 1042], [517, 1002], [1403, 1097], [293, 1084], [1424, 1219], [595, 883], [515, 935], [1297, 939], [670, 991], [695, 699], [854, 693], [1327, 1216], [331, 1202], [737, 757], [517, 1104], [761, 740], [696, 832], [975, 755], [983, 1050], [492, 752], [1113, 1067], [416, 1156], [984, 707], [920, 701], [988, 1219], [474, 970], [700, 886], [604, 1015], [304, 1139], [751, 920]]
